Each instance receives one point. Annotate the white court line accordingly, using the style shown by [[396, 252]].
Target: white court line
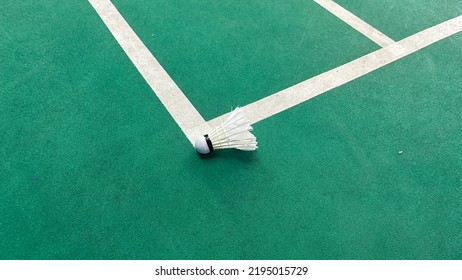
[[355, 22], [192, 123], [331, 79], [171, 96]]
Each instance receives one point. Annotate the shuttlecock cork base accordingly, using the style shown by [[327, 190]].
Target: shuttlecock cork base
[[234, 133], [204, 145]]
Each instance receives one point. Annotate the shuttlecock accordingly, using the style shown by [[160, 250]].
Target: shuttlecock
[[233, 133]]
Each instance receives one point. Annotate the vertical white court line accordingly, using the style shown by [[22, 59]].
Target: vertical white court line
[[171, 96], [292, 96], [355, 22]]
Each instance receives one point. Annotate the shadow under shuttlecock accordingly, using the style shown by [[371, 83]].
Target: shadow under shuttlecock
[[244, 156]]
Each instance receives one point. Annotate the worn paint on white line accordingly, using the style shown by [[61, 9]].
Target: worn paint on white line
[[363, 27]]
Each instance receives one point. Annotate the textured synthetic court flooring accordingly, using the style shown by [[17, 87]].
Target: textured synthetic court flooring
[[356, 106]]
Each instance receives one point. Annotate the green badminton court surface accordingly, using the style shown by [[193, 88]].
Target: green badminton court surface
[[366, 163]]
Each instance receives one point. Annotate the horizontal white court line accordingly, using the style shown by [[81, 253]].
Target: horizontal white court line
[[292, 96], [171, 96], [363, 27]]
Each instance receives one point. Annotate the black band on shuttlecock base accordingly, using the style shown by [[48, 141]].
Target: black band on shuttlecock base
[[209, 142]]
